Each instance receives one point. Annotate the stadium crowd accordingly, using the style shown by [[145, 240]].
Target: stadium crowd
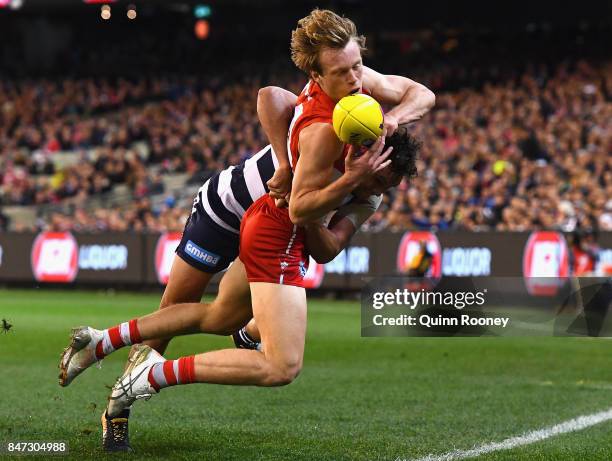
[[137, 216], [528, 154], [532, 151]]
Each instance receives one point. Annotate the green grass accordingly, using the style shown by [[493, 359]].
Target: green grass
[[356, 398]]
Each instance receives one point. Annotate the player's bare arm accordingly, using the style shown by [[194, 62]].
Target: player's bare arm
[[410, 99], [314, 191], [275, 109], [323, 245], [325, 242]]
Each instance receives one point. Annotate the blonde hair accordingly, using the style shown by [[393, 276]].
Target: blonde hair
[[321, 29]]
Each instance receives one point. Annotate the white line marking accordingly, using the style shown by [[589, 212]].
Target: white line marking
[[576, 424], [596, 385]]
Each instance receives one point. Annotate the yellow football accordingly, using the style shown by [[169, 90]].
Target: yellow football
[[358, 118]]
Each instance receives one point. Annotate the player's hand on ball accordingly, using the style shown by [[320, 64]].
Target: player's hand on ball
[[280, 183], [361, 163]]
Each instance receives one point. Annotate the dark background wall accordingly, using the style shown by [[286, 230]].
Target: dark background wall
[[68, 38]]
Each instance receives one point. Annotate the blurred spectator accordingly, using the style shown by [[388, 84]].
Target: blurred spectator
[[4, 221]]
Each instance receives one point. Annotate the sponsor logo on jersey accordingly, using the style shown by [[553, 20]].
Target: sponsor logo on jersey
[[164, 254], [201, 255], [303, 269], [54, 257], [545, 263]]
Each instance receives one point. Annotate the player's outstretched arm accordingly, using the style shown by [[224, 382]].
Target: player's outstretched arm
[[410, 99], [275, 109]]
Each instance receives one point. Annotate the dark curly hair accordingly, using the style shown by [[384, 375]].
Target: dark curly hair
[[404, 154]]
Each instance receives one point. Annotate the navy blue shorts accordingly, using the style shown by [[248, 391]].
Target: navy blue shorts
[[206, 245]]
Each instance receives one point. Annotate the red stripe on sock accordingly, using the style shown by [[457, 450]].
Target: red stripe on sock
[[99, 350], [134, 333], [192, 368], [152, 381], [169, 373], [115, 337], [187, 369]]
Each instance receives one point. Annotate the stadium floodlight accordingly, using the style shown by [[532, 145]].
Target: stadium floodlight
[[105, 12], [201, 11], [15, 4], [131, 12]]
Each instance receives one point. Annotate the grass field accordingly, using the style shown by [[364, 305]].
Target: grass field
[[357, 398]]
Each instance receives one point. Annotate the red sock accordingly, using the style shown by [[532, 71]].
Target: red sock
[[124, 334], [172, 372]]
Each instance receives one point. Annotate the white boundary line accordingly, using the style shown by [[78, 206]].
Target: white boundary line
[[598, 385], [576, 424]]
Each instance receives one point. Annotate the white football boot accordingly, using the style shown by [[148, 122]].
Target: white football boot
[[134, 383], [80, 354]]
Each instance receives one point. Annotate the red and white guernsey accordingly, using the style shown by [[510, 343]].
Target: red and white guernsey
[[272, 248], [312, 106]]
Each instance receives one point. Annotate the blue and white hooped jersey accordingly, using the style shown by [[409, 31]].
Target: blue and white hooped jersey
[[226, 196]]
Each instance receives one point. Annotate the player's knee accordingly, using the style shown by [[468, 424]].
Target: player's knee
[[172, 297], [164, 303], [169, 299], [284, 373]]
